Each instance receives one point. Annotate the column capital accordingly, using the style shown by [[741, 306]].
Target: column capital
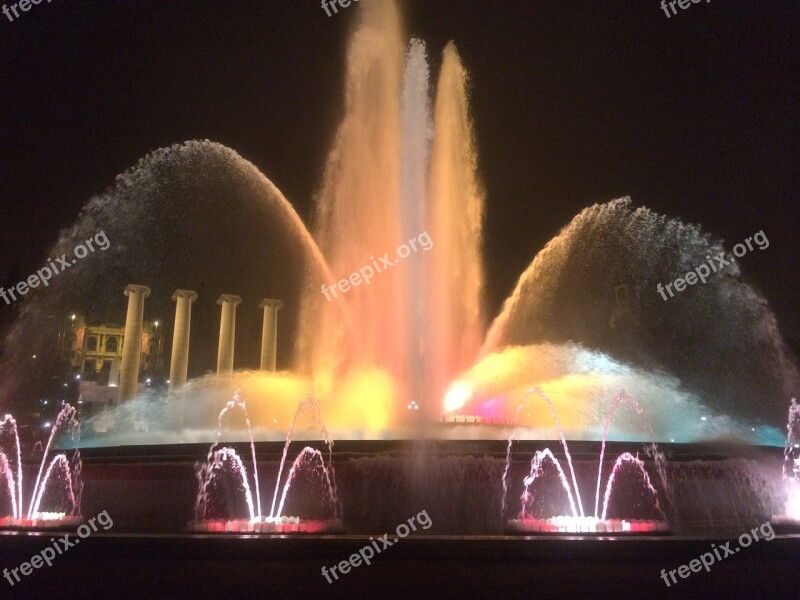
[[190, 295], [231, 298], [271, 302], [132, 288]]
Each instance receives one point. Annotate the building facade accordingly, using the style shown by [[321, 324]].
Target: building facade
[[95, 350]]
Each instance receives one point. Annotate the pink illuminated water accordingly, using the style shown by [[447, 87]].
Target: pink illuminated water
[[227, 459], [312, 459], [65, 422], [624, 398], [216, 459], [312, 404], [564, 444], [59, 464], [791, 465], [222, 460], [624, 460], [537, 471], [5, 472], [236, 402], [68, 471], [9, 438]]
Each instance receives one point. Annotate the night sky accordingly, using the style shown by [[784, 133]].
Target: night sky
[[695, 116]]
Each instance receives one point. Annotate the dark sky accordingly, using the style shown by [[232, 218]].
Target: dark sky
[[695, 116]]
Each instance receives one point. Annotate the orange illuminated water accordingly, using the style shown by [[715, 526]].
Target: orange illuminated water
[[395, 172]]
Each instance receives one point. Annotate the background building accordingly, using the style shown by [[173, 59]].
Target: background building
[[92, 353]]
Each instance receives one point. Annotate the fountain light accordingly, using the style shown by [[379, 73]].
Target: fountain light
[[457, 396], [586, 525]]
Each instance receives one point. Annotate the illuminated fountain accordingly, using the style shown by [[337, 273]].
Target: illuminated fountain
[[584, 318], [647, 510], [224, 475], [409, 356], [57, 486]]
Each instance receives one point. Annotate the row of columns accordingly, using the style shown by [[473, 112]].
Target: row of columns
[[179, 364]]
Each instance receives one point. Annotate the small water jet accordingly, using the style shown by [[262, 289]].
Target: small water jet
[[539, 514], [58, 484], [225, 491], [791, 471]]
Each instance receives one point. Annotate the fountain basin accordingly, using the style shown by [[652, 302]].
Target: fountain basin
[[585, 525], [267, 525], [42, 520], [786, 523]]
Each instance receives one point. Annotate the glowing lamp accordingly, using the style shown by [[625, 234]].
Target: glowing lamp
[[457, 396]]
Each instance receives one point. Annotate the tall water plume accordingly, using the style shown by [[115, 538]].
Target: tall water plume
[[358, 212], [415, 156], [456, 216], [394, 173]]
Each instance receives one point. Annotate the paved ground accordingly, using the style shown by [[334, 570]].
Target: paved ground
[[182, 566]]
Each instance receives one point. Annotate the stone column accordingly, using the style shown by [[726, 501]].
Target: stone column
[[179, 363], [227, 333], [132, 344], [269, 333]]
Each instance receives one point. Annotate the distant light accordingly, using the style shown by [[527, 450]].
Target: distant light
[[167, 380], [65, 385], [672, 440], [44, 401], [34, 356], [703, 418], [47, 425], [155, 323], [78, 376], [797, 445], [73, 317], [80, 401], [148, 381], [413, 406]]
